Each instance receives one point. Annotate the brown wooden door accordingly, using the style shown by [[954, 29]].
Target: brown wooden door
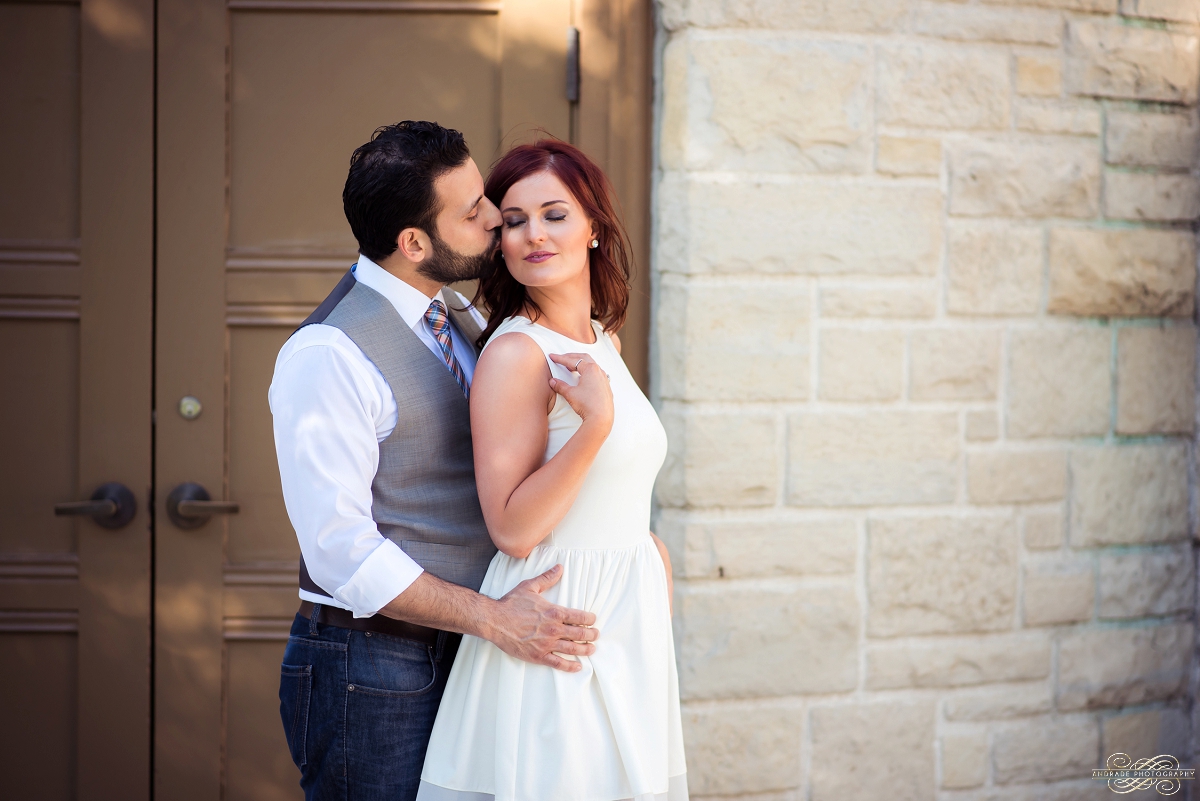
[[76, 279], [260, 103], [148, 254]]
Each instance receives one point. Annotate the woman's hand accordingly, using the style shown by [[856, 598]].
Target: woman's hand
[[666, 557], [592, 397]]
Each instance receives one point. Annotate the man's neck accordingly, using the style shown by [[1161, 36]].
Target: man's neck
[[400, 267]]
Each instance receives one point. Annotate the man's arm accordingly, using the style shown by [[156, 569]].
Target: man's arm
[[326, 404], [523, 624]]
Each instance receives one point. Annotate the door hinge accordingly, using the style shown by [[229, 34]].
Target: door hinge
[[572, 64]]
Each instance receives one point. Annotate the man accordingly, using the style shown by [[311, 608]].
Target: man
[[372, 431]]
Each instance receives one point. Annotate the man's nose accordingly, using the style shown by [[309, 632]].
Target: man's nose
[[491, 215]]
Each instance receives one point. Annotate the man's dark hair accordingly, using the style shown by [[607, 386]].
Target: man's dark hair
[[390, 185]]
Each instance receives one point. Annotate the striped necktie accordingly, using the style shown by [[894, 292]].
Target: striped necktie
[[439, 324]]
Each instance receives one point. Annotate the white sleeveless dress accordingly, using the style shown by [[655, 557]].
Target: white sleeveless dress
[[507, 730]]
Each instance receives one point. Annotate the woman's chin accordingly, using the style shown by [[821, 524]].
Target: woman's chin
[[540, 279]]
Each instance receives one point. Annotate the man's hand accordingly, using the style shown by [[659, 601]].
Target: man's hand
[[522, 624], [525, 625]]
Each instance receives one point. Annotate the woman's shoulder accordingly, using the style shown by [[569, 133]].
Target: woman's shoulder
[[501, 345]]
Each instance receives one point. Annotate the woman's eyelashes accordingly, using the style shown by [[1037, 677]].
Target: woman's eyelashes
[[514, 222]]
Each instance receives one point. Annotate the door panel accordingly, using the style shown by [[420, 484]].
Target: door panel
[[39, 426], [261, 103], [76, 159], [38, 736], [39, 92], [308, 88]]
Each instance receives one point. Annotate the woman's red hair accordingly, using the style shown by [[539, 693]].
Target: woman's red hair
[[609, 263]]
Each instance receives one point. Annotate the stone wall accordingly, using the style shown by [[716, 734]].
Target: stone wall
[[924, 289]]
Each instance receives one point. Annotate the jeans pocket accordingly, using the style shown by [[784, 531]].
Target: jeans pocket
[[295, 691], [390, 666]]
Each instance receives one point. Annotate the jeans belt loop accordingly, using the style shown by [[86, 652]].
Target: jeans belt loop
[[312, 620]]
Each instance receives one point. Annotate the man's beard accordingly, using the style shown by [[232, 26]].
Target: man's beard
[[446, 265]]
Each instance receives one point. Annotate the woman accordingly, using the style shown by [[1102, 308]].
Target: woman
[[566, 452]]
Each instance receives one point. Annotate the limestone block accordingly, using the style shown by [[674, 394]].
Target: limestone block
[[982, 425], [1123, 666], [873, 751], [958, 662], [1160, 581], [1147, 734], [1149, 197], [868, 458], [999, 703], [736, 748], [1156, 380], [964, 760], [1104, 6], [1055, 594], [994, 269], [775, 103], [943, 87], [906, 300], [1016, 476], [1039, 76], [1058, 118], [1173, 10], [711, 352], [1136, 63], [1122, 272], [986, 24], [954, 364], [718, 459], [1137, 139], [1046, 749], [860, 365], [844, 15], [942, 575], [909, 155], [751, 549], [781, 637], [786, 227], [1058, 382], [1044, 531], [1052, 178], [1129, 494]]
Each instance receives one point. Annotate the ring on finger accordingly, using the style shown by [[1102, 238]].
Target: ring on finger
[[576, 368]]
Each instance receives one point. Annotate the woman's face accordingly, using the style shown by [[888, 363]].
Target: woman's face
[[545, 233]]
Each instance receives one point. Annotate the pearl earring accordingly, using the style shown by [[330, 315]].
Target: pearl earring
[[595, 243]]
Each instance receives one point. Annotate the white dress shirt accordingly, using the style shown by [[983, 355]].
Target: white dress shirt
[[332, 407]]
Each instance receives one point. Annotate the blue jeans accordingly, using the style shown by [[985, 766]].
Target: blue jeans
[[358, 707]]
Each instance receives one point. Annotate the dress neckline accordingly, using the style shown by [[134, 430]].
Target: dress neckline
[[564, 336]]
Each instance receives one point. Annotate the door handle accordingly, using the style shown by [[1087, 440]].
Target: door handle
[[190, 506], [112, 505]]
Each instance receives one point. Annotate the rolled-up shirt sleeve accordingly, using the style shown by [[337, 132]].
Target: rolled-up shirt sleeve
[[326, 410]]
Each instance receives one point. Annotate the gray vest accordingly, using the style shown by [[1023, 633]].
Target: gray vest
[[424, 496]]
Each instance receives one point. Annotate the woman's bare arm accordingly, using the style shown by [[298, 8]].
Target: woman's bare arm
[[511, 394]]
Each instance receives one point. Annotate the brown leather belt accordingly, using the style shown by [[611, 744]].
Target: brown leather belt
[[380, 624]]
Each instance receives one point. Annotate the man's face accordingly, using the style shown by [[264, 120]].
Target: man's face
[[466, 233]]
